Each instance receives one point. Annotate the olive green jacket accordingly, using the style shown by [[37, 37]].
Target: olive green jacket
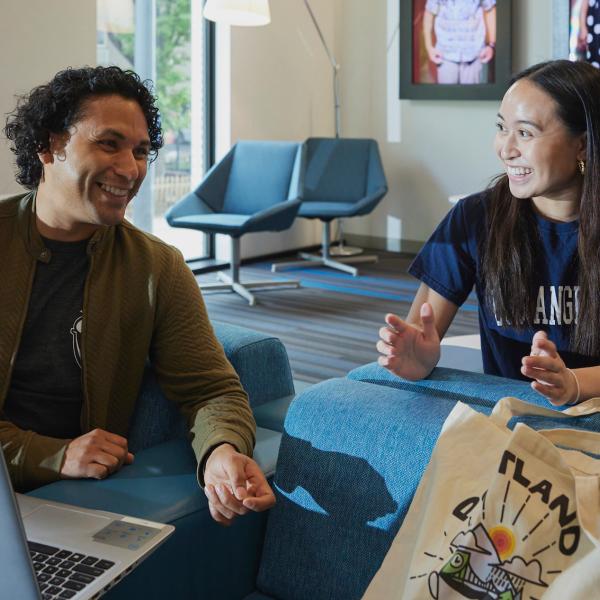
[[140, 301]]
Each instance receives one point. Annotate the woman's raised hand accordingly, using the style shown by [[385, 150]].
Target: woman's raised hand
[[407, 350]]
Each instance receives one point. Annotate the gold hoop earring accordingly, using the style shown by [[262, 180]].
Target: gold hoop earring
[[581, 166]]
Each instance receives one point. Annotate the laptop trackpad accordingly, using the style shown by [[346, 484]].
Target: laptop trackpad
[[55, 521]]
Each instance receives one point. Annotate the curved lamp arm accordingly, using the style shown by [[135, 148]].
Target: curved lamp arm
[[257, 12]]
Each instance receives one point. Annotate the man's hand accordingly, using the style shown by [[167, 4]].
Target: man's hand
[[234, 484], [408, 351], [96, 454], [486, 54], [551, 378]]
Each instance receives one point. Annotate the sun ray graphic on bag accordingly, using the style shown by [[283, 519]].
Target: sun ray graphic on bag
[[521, 510], [504, 501]]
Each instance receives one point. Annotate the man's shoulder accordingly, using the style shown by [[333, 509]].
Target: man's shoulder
[[9, 204], [147, 243]]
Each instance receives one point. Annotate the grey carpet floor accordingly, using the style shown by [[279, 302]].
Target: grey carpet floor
[[330, 325]]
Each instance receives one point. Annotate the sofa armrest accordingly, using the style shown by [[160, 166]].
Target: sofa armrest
[[260, 361], [466, 386]]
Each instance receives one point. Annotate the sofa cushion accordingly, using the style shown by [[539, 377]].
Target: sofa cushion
[[160, 485]]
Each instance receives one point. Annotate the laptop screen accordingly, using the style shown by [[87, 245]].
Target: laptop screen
[[16, 571]]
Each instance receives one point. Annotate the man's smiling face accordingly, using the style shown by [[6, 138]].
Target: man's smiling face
[[96, 168]]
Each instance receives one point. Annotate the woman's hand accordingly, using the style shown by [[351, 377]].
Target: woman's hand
[[406, 350], [551, 378]]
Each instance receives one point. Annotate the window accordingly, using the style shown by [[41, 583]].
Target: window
[[168, 42]]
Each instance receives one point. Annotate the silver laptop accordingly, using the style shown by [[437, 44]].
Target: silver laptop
[[50, 550]]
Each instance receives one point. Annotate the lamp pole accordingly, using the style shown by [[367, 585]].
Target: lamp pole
[[341, 249], [336, 68]]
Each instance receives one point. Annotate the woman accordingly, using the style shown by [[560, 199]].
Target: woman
[[530, 245]]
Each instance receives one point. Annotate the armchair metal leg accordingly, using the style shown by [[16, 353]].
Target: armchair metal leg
[[340, 266], [342, 249], [238, 288], [326, 259], [231, 281]]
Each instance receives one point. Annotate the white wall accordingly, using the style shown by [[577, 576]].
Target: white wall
[[281, 89], [444, 147], [38, 38]]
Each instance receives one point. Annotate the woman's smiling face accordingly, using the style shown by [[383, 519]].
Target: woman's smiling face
[[538, 151]]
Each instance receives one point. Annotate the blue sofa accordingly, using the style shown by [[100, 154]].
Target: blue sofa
[[350, 456]]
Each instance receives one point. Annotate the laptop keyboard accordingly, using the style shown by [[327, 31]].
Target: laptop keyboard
[[60, 573]]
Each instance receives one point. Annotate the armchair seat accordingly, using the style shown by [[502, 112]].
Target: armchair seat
[[323, 210], [216, 223]]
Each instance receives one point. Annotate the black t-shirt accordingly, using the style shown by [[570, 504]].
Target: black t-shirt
[[45, 393]]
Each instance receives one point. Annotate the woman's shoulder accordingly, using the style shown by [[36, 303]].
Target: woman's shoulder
[[472, 208], [476, 201]]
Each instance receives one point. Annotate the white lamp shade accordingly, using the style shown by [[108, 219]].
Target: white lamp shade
[[238, 12]]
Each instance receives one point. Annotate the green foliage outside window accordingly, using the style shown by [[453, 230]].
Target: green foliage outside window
[[173, 46]]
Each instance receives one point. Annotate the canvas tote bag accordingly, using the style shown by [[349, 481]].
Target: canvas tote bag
[[500, 514]]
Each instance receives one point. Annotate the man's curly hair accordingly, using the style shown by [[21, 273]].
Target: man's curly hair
[[54, 107]]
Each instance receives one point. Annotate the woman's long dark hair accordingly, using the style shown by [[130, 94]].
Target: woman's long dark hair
[[509, 253]]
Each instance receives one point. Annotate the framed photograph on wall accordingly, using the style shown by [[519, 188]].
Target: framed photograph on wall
[[455, 49]]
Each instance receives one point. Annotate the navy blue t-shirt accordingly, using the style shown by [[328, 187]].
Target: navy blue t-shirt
[[449, 263]]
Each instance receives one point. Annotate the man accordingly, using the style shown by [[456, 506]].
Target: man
[[465, 32], [86, 299]]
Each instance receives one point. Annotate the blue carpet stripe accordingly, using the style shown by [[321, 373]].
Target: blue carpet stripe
[[362, 285], [360, 282], [370, 293], [367, 279]]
